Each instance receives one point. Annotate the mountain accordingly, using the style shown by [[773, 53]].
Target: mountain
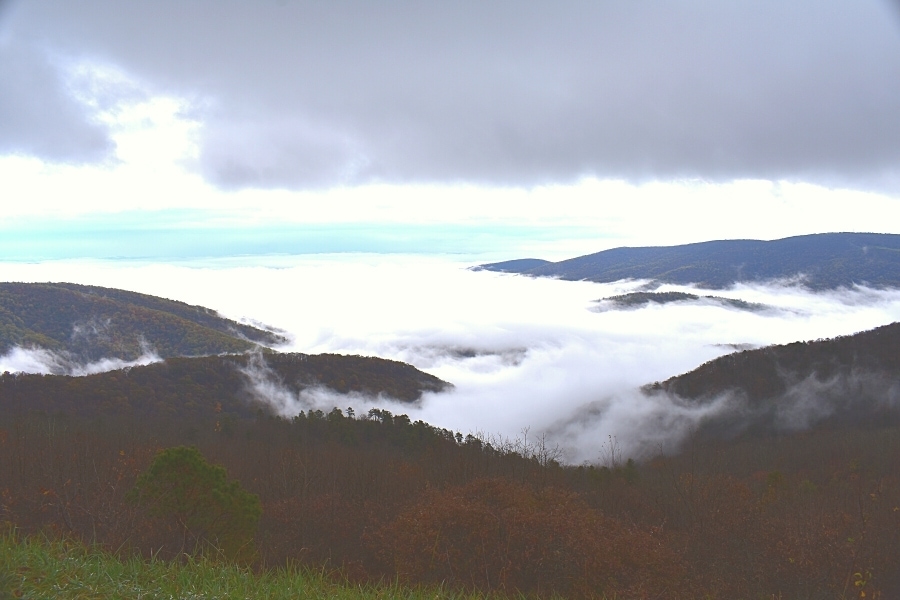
[[851, 379], [820, 261], [519, 265], [89, 323], [233, 385], [642, 299]]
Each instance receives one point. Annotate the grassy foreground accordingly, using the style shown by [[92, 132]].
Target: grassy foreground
[[38, 568]]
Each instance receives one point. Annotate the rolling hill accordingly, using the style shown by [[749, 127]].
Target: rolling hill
[[89, 323], [819, 262], [642, 299], [846, 380], [233, 385]]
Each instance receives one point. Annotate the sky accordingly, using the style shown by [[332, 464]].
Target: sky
[[333, 168], [486, 129]]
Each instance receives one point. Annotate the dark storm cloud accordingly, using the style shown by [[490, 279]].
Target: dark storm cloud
[[300, 94]]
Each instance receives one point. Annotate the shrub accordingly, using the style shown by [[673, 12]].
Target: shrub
[[196, 502]]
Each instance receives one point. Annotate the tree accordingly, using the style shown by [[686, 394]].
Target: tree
[[196, 498]]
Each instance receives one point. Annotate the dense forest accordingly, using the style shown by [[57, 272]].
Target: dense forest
[[821, 261], [375, 496], [848, 380], [89, 323], [181, 388]]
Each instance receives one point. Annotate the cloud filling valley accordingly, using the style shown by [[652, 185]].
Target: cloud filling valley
[[523, 353]]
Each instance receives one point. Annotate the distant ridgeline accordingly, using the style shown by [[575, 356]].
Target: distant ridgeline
[[89, 323], [821, 261], [852, 379], [211, 386]]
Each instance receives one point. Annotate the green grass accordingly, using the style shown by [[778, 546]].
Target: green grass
[[41, 569]]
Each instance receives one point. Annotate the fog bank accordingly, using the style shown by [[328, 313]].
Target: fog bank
[[42, 360], [521, 352]]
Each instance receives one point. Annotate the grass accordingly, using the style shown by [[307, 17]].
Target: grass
[[39, 568]]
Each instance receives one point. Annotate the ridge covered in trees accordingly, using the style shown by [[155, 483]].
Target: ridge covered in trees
[[226, 386], [642, 299], [819, 262], [90, 323], [845, 380]]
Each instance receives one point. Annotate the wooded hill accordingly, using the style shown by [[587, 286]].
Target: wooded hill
[[852, 379], [642, 299], [200, 387], [819, 262], [374, 497], [89, 323]]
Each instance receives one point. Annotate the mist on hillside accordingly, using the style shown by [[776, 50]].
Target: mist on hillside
[[524, 354], [42, 360]]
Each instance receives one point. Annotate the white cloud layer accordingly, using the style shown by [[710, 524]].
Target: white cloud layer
[[522, 352]]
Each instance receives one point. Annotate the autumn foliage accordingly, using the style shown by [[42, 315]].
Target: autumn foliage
[[375, 496], [498, 534]]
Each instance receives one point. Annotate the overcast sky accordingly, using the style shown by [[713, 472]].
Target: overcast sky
[[606, 122]]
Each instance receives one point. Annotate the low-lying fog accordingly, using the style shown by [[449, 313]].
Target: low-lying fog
[[523, 353]]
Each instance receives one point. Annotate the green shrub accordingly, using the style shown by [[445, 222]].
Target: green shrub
[[199, 504]]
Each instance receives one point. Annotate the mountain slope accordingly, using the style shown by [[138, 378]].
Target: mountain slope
[[236, 386], [850, 379], [89, 323], [820, 261]]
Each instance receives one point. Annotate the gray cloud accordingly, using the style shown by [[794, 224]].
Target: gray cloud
[[308, 94], [38, 114]]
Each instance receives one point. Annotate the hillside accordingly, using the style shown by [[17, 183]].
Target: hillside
[[232, 386], [642, 299], [375, 497], [371, 497], [846, 380], [89, 323], [819, 262]]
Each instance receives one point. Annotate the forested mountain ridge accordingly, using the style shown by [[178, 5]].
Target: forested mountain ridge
[[642, 299], [819, 262], [188, 388], [90, 323], [854, 378]]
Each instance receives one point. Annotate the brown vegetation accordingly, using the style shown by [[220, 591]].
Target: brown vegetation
[[813, 515]]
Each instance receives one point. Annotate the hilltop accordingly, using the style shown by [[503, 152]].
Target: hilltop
[[198, 387], [643, 299], [819, 262], [90, 323], [846, 380]]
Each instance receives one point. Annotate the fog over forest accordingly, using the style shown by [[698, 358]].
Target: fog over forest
[[524, 354]]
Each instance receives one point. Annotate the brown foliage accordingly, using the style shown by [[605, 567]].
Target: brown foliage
[[803, 516], [494, 534]]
